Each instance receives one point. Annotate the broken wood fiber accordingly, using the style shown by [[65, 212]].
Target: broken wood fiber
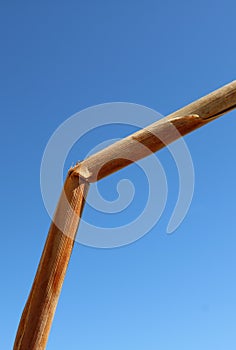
[[37, 316]]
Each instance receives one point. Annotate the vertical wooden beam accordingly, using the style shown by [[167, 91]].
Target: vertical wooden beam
[[37, 317]]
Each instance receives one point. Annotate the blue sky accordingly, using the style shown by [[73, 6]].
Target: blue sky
[[164, 291]]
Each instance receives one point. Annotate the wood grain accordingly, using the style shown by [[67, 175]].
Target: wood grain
[[39, 310], [157, 135]]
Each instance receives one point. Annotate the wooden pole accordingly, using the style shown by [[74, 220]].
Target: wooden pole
[[158, 135], [39, 310]]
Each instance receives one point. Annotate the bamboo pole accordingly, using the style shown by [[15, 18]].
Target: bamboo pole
[[39, 310], [158, 135]]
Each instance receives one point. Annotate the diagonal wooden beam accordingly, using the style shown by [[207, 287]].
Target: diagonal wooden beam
[[39, 310], [37, 317], [158, 135]]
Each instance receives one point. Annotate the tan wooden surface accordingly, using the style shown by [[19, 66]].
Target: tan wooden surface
[[159, 134], [39, 310]]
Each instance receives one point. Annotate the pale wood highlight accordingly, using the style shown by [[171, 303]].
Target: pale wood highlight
[[158, 135], [39, 310]]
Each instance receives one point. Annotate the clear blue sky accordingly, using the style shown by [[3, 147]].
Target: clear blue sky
[[162, 292]]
